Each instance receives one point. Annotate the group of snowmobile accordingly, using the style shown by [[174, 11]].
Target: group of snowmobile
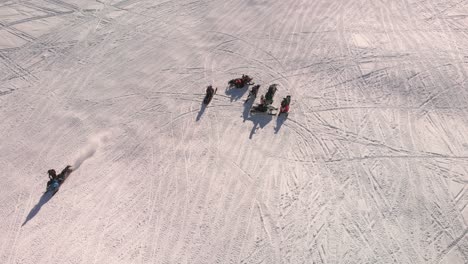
[[266, 101], [265, 106]]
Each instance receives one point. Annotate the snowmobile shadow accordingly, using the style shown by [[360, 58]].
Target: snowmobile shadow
[[259, 121], [200, 113], [247, 106], [279, 122], [236, 93], [44, 199]]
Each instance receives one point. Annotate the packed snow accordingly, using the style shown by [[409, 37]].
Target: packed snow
[[369, 166]]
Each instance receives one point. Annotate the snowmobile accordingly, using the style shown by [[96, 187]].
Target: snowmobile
[[270, 94], [265, 105], [285, 105], [262, 108], [253, 93], [56, 181], [210, 92], [240, 82]]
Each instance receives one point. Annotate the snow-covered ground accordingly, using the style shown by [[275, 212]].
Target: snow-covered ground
[[370, 166]]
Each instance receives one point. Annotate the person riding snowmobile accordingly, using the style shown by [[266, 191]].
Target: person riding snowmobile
[[269, 95], [209, 95], [209, 91], [262, 107], [58, 178], [262, 100], [253, 92], [285, 104], [52, 174], [246, 79]]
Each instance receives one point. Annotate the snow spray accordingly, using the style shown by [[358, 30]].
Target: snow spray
[[88, 151]]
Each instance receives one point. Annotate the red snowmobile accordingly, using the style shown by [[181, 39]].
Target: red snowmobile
[[285, 105], [240, 82]]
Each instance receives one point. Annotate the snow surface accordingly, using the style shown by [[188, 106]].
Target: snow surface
[[371, 165]]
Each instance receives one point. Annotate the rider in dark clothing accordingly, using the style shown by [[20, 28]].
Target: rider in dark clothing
[[52, 174], [209, 91], [286, 101], [262, 107], [254, 90]]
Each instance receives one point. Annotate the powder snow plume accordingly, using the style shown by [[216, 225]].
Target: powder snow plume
[[88, 151]]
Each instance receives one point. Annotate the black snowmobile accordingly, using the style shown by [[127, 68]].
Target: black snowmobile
[[210, 92], [264, 109], [253, 92], [270, 94], [56, 181]]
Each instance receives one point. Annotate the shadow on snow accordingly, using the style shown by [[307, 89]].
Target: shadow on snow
[[247, 106], [279, 122], [259, 120], [236, 93], [200, 113], [44, 199]]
